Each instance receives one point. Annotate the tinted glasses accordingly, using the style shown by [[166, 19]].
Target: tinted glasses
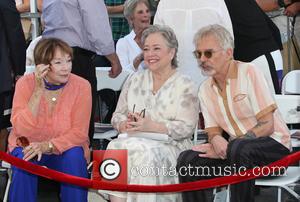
[[207, 53]]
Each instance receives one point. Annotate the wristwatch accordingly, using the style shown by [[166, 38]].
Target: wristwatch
[[250, 135], [50, 146]]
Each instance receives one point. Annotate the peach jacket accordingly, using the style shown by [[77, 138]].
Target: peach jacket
[[68, 124]]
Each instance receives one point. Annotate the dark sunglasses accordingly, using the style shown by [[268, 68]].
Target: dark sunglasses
[[207, 53]]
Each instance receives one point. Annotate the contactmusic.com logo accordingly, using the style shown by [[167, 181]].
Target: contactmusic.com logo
[[110, 166]]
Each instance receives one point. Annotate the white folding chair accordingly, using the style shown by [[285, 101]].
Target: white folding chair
[[6, 166], [29, 69], [106, 131], [105, 82], [285, 182], [288, 106], [291, 83]]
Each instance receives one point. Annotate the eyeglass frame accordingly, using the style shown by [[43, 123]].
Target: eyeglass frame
[[142, 113], [63, 62], [198, 54]]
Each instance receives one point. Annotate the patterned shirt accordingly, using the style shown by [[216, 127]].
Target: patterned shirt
[[175, 104], [245, 99], [119, 26]]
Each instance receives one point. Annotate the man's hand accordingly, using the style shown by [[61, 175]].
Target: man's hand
[[116, 67], [220, 146], [292, 9], [206, 151], [115, 70]]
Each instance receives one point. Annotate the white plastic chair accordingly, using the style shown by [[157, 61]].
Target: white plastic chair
[[288, 107], [286, 181], [106, 131], [291, 83], [29, 69], [6, 166], [105, 82]]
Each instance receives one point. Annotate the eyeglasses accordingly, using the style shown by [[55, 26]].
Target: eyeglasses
[[141, 114], [207, 53], [61, 62]]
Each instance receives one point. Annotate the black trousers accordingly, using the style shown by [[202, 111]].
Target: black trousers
[[82, 65], [5, 103], [241, 152], [2, 99]]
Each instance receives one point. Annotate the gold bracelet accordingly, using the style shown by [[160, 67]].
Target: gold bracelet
[[50, 147]]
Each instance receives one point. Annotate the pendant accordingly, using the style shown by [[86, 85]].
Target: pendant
[[53, 99]]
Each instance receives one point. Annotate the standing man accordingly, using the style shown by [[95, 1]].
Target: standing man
[[84, 25], [12, 57]]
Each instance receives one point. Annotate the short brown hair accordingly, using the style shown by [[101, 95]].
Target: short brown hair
[[46, 47]]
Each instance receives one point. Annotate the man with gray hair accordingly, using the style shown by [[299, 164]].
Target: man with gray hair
[[236, 100]]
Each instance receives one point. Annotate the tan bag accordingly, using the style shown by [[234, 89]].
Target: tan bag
[[295, 63], [26, 25]]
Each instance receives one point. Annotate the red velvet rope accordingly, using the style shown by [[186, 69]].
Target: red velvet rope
[[94, 184]]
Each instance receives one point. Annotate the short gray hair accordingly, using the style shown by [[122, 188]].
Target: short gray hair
[[129, 7], [169, 36], [219, 32]]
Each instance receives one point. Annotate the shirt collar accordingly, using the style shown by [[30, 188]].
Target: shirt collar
[[231, 74], [132, 35]]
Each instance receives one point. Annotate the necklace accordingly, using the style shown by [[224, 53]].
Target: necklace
[[52, 96], [53, 87]]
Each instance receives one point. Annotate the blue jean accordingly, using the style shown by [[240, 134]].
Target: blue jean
[[24, 184]]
